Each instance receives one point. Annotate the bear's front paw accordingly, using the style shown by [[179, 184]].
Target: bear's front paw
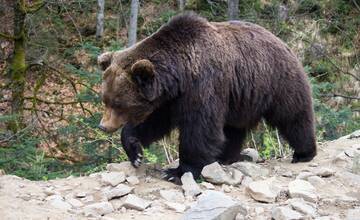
[[172, 175], [304, 157], [133, 149]]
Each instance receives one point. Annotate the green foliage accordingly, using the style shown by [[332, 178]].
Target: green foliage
[[152, 26]]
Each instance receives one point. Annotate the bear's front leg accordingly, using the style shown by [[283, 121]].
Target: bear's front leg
[[132, 144], [201, 143], [134, 138]]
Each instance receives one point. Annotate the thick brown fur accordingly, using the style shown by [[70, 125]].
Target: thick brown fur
[[214, 82]]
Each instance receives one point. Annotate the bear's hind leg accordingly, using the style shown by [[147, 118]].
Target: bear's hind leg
[[233, 145], [300, 134]]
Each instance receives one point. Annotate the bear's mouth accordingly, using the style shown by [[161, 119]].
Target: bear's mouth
[[111, 121]]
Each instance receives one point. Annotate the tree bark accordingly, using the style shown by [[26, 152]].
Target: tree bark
[[100, 19], [181, 4], [133, 22], [18, 68], [18, 65], [233, 9]]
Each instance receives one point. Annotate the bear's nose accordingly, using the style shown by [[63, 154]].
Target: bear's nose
[[102, 128]]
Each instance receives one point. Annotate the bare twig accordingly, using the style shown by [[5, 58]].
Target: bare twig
[[339, 95]]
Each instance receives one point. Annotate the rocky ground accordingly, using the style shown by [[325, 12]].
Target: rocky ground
[[328, 188]]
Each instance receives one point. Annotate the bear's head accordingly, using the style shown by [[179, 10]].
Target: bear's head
[[128, 90]]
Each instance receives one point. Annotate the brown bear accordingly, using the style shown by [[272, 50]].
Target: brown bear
[[213, 82]]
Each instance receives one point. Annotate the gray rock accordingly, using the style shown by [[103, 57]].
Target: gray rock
[[134, 202], [119, 191], [285, 213], [213, 205], [341, 160], [75, 203], [80, 195], [251, 169], [303, 207], [133, 180], [189, 185], [356, 164], [125, 167], [324, 172], [355, 134], [328, 218], [177, 207], [59, 203], [263, 191], [316, 181], [302, 189], [246, 181], [98, 209], [214, 173], [250, 154], [304, 175], [112, 178], [172, 195], [207, 185], [353, 214], [287, 174]]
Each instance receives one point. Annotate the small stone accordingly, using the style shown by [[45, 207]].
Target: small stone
[[287, 174], [240, 216], [303, 207], [172, 195], [214, 173], [341, 160], [133, 180], [304, 175], [324, 172], [353, 214], [251, 169], [246, 181], [263, 191], [225, 188], [112, 178], [59, 203], [327, 218], [356, 164], [250, 154], [207, 185], [80, 195], [189, 185], [134, 202], [313, 165], [88, 199], [75, 203], [125, 167], [119, 191], [302, 189], [177, 207], [316, 181], [213, 205], [50, 191], [285, 213], [123, 210], [355, 134], [97, 209]]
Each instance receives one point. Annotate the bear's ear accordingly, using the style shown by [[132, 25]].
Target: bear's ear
[[142, 71], [104, 60]]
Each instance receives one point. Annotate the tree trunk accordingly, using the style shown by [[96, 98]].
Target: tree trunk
[[181, 4], [133, 22], [100, 19], [233, 9], [18, 68]]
